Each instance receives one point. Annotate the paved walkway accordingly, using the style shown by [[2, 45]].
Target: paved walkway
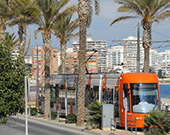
[[73, 126], [121, 132]]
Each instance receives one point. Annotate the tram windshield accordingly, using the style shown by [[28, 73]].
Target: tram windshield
[[144, 97]]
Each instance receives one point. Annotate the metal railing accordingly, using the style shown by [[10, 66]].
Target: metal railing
[[132, 122]]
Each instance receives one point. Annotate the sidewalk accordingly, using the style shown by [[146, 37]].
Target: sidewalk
[[73, 126]]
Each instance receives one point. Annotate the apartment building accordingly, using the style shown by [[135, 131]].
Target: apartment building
[[54, 62], [38, 55], [15, 53], [130, 54], [71, 62], [28, 60], [114, 55], [101, 47], [154, 60], [164, 62]]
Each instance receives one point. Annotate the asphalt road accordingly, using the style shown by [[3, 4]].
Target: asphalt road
[[16, 126]]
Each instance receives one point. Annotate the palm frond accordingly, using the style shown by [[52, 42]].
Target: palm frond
[[122, 18], [97, 7], [37, 31], [90, 12], [162, 16]]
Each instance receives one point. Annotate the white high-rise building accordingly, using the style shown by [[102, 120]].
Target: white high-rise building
[[101, 47], [15, 53], [164, 62], [153, 60], [28, 59], [114, 55], [130, 54]]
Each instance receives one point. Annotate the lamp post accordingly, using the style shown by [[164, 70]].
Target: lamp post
[[90, 57]]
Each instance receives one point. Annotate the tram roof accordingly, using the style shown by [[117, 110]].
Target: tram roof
[[139, 77]]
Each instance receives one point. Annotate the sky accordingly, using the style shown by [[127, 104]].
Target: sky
[[100, 28]]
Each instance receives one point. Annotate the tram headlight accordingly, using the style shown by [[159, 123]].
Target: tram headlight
[[138, 118]]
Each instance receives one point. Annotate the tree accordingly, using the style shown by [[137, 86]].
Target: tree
[[50, 11], [157, 123], [149, 11], [11, 80], [84, 13], [26, 12], [63, 30], [6, 14], [94, 114]]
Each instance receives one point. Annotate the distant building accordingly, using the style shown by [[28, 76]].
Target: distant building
[[53, 61], [40, 60], [15, 53], [154, 60], [130, 54], [101, 47], [114, 55], [71, 62], [164, 62], [28, 59]]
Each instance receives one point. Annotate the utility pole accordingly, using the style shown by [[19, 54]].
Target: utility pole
[[26, 117], [127, 55], [37, 81], [138, 49]]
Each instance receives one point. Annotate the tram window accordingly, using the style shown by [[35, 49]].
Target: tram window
[[91, 94], [128, 107], [107, 96], [126, 95], [144, 97]]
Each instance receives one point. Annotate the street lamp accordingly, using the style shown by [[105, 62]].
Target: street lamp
[[94, 51]]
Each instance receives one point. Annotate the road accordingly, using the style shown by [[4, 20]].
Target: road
[[16, 126]]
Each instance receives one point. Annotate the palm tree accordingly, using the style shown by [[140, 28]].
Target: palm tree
[[63, 30], [157, 123], [50, 11], [26, 13], [149, 11], [6, 14], [84, 13]]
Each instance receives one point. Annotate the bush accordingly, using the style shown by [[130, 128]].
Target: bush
[[157, 123], [71, 118], [94, 115], [12, 73], [34, 111], [53, 115]]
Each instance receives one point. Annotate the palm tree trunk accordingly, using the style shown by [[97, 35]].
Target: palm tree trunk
[[47, 48], [146, 60], [147, 37], [2, 29], [22, 38], [83, 12], [63, 56]]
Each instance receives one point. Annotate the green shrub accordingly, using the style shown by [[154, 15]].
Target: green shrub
[[34, 111], [71, 118], [94, 115], [53, 115], [157, 123]]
